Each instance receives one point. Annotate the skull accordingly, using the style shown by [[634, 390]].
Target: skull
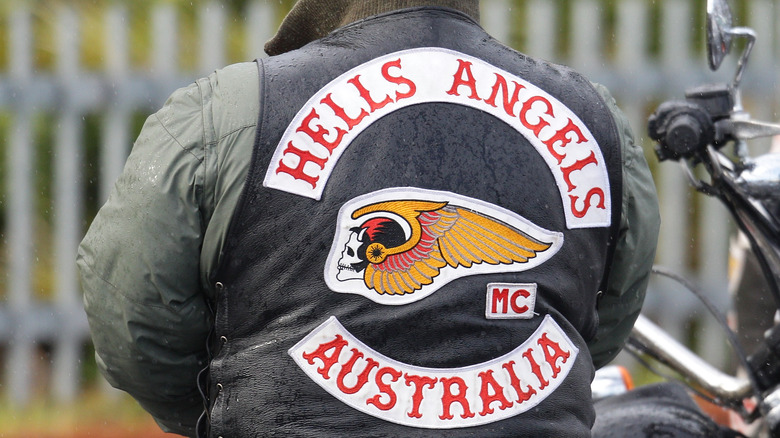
[[351, 266]]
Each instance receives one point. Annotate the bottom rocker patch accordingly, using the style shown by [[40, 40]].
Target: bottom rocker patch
[[436, 398]]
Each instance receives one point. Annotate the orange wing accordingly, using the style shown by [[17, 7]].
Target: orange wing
[[450, 236]]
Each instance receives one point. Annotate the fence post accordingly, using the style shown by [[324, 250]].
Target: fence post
[[586, 48], [261, 26], [676, 22], [761, 66], [165, 50], [494, 16], [674, 193], [542, 30], [68, 210], [20, 214], [631, 39], [115, 129], [212, 37]]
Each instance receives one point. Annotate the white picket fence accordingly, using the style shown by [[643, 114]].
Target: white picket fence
[[613, 52]]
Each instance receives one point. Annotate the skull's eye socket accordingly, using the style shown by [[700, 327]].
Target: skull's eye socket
[[350, 252]]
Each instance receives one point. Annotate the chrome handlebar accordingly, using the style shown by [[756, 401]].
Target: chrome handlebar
[[646, 337]]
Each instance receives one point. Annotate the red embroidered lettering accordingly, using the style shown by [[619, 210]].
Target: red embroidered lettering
[[522, 394], [336, 345], [517, 295], [347, 368], [564, 140], [538, 126], [385, 388], [420, 382], [342, 114], [577, 166], [489, 385], [552, 357], [409, 395], [500, 296], [464, 67], [398, 80], [366, 95], [305, 157], [593, 192], [509, 103], [318, 134], [448, 398], [535, 368]]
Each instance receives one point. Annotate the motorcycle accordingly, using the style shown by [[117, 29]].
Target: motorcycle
[[708, 130]]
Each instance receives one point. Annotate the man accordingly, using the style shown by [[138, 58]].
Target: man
[[403, 228]]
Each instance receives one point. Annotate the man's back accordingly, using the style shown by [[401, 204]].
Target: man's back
[[411, 245], [454, 194]]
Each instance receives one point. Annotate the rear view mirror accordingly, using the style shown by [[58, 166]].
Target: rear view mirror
[[719, 26]]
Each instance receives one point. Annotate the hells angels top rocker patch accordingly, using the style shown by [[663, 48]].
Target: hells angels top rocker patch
[[334, 116], [435, 397], [399, 245]]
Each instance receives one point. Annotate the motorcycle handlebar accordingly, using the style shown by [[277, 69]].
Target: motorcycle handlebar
[[647, 337]]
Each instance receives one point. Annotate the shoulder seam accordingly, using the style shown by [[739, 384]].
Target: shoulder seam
[[189, 151], [227, 134]]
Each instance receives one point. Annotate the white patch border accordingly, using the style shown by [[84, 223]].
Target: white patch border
[[530, 301], [439, 57], [447, 274], [331, 327]]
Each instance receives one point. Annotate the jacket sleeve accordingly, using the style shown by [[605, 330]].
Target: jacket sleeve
[[620, 305], [139, 267]]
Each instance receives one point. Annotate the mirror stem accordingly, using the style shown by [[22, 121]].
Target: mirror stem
[[750, 35]]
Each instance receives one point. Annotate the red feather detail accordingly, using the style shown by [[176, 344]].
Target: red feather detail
[[423, 249]]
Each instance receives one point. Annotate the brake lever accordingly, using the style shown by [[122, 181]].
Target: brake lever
[[745, 129]]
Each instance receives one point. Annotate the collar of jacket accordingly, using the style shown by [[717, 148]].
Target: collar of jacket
[[313, 19]]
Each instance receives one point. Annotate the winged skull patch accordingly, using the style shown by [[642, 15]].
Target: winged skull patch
[[399, 245]]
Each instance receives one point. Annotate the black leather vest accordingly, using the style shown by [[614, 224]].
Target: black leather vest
[[420, 241]]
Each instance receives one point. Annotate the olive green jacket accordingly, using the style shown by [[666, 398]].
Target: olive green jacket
[[146, 260]]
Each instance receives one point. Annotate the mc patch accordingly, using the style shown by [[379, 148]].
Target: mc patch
[[397, 246], [510, 301]]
